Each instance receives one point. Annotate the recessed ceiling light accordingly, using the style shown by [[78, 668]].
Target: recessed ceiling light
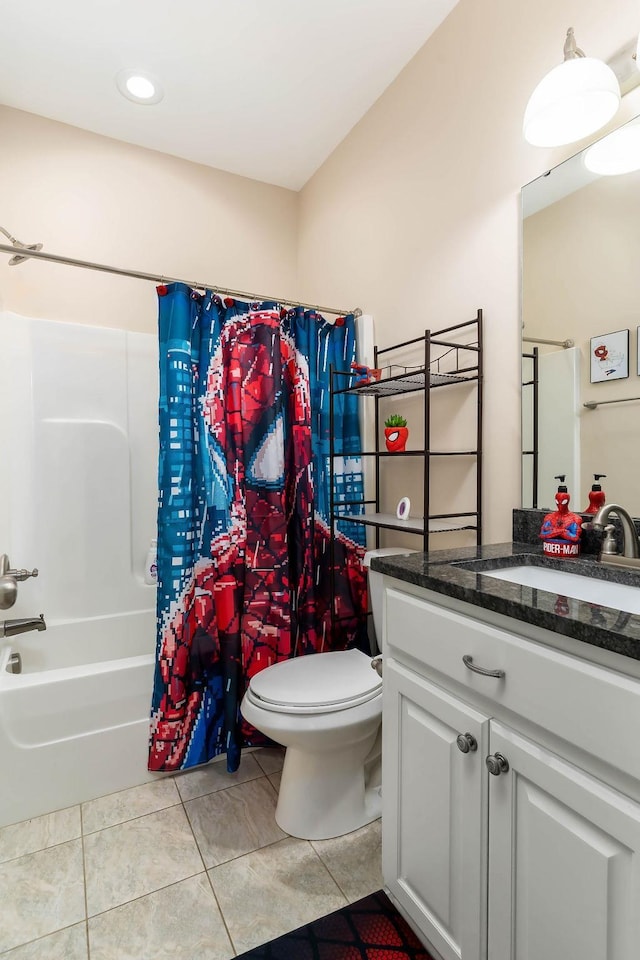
[[139, 86]]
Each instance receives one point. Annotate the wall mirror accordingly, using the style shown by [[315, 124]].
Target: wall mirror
[[580, 285]]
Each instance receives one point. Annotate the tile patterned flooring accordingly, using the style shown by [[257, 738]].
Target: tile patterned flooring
[[190, 866]]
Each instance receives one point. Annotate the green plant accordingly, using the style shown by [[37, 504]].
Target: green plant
[[395, 420]]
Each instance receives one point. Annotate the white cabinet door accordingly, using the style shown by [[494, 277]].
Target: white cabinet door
[[434, 812], [564, 860]]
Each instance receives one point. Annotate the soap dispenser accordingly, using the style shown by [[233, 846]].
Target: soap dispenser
[[596, 494], [561, 530]]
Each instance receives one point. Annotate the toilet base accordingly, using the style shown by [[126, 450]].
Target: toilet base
[[318, 801]]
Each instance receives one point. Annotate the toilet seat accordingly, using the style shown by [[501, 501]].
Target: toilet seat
[[315, 684]]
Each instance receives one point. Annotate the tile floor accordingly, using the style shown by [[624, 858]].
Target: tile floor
[[191, 866]]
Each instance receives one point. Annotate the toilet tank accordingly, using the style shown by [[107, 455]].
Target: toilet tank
[[375, 591]]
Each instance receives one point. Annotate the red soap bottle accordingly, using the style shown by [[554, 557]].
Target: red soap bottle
[[596, 494], [561, 530]]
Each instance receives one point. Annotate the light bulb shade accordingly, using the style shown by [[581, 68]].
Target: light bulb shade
[[574, 100], [615, 154]]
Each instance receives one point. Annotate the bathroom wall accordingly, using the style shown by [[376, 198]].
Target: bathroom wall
[[414, 217], [65, 502], [79, 455], [418, 208], [94, 198]]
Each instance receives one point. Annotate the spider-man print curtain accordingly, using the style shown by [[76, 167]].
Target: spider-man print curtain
[[243, 512]]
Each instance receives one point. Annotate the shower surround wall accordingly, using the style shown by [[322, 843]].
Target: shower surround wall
[[78, 489]]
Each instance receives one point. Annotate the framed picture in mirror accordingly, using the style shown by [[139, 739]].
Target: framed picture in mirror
[[610, 356]]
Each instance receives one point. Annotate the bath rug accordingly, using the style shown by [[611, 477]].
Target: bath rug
[[371, 929]]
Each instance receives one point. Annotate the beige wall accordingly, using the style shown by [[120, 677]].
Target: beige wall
[[93, 198], [580, 280], [415, 216], [98, 199]]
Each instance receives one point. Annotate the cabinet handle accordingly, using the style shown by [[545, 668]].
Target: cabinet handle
[[376, 664], [466, 742], [468, 662], [497, 764]]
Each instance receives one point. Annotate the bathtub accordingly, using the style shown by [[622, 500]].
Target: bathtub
[[74, 725]]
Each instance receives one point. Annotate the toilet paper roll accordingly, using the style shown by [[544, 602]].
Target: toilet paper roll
[[403, 508]]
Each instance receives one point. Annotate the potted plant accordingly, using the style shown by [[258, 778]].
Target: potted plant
[[395, 433]]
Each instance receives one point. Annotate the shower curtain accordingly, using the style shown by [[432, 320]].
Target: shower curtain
[[243, 515]]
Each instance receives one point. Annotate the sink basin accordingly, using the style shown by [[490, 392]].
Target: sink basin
[[604, 593]]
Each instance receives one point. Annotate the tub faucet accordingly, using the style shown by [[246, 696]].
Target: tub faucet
[[630, 556], [11, 628]]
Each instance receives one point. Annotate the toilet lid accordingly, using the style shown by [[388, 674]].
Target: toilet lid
[[317, 682]]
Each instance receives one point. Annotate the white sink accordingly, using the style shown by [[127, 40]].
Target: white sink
[[620, 596]]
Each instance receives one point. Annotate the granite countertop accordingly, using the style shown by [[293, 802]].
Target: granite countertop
[[452, 573]]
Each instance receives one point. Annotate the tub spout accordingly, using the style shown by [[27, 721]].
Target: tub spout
[[11, 628]]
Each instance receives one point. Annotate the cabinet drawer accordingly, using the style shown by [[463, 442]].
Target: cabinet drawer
[[590, 706]]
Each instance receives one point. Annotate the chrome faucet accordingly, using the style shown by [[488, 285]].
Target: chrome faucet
[[11, 628], [9, 581], [630, 556]]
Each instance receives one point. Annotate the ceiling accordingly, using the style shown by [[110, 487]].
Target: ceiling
[[262, 88]]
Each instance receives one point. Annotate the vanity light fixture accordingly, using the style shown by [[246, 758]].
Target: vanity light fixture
[[617, 153], [139, 86], [575, 99]]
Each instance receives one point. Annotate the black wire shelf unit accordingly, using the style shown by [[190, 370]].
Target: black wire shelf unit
[[446, 362], [534, 383]]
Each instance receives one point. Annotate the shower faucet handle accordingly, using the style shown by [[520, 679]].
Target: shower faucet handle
[[22, 574], [8, 585], [6, 571], [9, 582]]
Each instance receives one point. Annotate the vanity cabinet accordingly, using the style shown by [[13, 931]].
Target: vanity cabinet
[[564, 859], [434, 816], [542, 859]]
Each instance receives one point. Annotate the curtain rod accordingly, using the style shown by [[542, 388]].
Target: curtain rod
[[592, 404], [552, 343], [155, 278]]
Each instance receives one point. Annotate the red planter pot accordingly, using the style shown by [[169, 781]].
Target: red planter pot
[[396, 438]]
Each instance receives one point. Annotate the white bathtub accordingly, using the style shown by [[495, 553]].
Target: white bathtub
[[74, 725]]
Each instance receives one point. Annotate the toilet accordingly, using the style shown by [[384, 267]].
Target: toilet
[[326, 709], [374, 580]]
